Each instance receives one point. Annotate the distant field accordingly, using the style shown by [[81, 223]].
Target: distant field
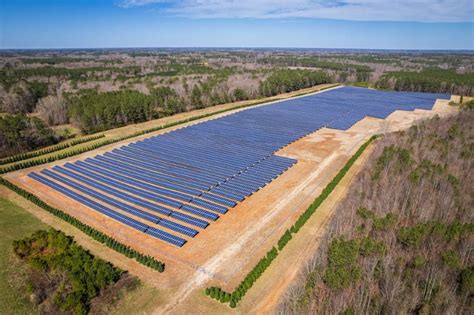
[[15, 223]]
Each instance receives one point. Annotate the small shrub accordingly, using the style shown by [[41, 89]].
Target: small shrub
[[365, 213], [343, 253], [386, 222], [419, 261], [341, 277], [369, 246], [413, 236], [451, 259]]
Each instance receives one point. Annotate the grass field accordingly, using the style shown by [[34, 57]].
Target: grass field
[[16, 223]]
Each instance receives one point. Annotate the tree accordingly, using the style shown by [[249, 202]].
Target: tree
[[196, 97], [240, 95], [52, 109]]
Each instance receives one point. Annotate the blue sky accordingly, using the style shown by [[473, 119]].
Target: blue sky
[[380, 24]]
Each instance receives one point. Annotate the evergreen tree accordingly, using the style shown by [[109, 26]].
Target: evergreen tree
[[196, 97]]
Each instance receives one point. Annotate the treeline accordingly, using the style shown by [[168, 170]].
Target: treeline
[[429, 80], [58, 60], [361, 72], [77, 74], [314, 63], [239, 292], [69, 276], [376, 58], [19, 133], [58, 147], [51, 158], [401, 240], [88, 230], [53, 60], [93, 111], [283, 81]]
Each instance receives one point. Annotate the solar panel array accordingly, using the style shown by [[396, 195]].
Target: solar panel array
[[173, 185]]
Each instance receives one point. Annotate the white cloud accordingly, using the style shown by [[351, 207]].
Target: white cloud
[[359, 10], [137, 3]]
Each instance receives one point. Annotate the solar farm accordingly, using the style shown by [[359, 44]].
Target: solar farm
[[172, 186], [185, 194]]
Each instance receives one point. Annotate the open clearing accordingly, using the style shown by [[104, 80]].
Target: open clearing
[[228, 248]]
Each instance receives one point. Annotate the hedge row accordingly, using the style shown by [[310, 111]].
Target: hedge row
[[284, 239], [49, 159], [95, 234], [265, 262], [246, 284], [61, 146], [52, 158]]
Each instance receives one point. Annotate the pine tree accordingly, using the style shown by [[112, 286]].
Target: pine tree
[[196, 97]]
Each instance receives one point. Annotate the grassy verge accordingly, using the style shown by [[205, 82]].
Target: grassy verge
[[15, 223]]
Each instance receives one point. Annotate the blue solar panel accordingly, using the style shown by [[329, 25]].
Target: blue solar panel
[[170, 238]]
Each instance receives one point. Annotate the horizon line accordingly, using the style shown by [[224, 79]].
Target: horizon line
[[239, 47]]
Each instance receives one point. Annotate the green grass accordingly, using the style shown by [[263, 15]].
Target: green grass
[[15, 224]]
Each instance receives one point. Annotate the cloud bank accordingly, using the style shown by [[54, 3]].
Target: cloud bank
[[354, 10]]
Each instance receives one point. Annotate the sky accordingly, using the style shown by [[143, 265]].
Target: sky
[[361, 24]]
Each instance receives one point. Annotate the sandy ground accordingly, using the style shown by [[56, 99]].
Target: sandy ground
[[229, 248]]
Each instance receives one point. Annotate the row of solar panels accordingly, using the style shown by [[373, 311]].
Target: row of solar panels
[[195, 174], [137, 225], [117, 194]]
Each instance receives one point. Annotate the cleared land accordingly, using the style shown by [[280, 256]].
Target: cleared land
[[227, 249]]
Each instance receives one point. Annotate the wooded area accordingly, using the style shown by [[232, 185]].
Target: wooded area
[[400, 241], [93, 112], [429, 80], [20, 133], [64, 277]]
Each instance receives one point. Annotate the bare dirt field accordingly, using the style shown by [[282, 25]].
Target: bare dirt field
[[224, 252]]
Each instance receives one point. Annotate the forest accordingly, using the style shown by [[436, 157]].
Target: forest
[[429, 80], [391, 249], [93, 112], [65, 278], [20, 133], [361, 71]]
